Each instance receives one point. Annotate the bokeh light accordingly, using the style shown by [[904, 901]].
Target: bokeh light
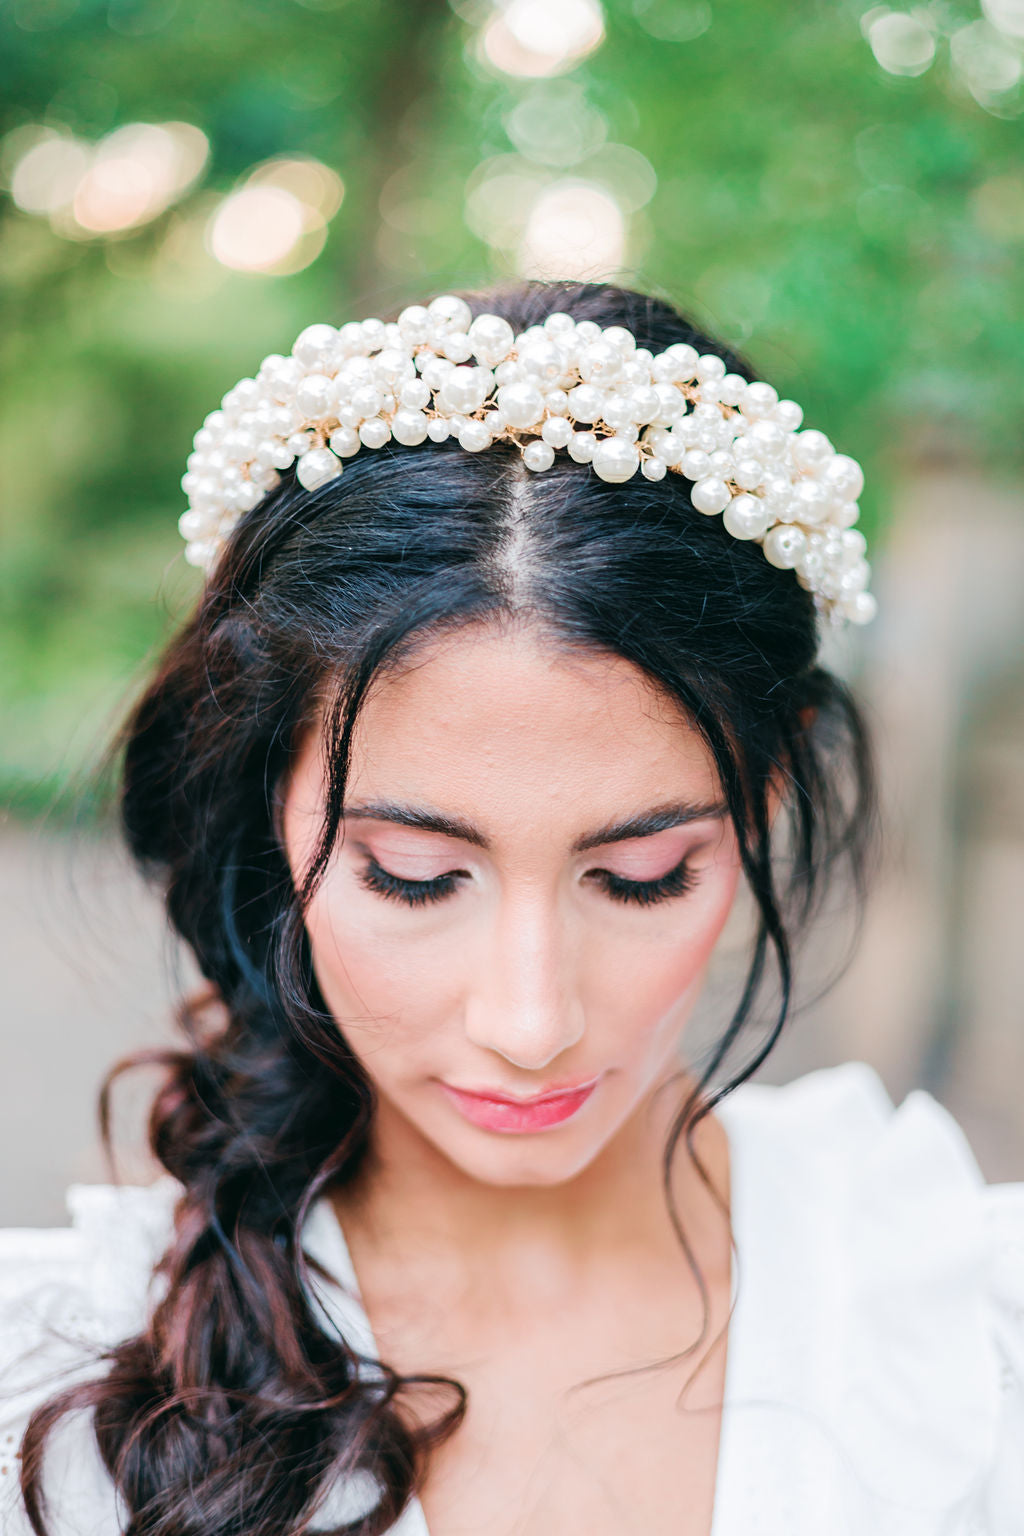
[[554, 124], [120, 183], [985, 62], [575, 229], [534, 38], [276, 221], [901, 43]]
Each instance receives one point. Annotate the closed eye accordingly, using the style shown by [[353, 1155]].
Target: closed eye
[[413, 893], [646, 893]]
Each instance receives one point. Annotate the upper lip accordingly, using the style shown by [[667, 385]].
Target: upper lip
[[558, 1092]]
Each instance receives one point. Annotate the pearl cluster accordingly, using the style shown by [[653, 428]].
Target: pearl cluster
[[437, 372]]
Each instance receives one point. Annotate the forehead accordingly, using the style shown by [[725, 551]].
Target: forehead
[[496, 723]]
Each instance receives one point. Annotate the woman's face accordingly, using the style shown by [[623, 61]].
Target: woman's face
[[534, 870]]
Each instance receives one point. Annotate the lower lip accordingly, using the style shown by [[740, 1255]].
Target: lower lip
[[499, 1115]]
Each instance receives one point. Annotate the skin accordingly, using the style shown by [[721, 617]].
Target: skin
[[529, 974]]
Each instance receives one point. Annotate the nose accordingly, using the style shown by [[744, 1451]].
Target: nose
[[525, 1003]]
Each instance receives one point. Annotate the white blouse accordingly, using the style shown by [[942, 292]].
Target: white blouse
[[875, 1361]]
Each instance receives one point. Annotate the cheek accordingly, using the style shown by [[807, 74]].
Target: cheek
[[381, 984], [652, 970]]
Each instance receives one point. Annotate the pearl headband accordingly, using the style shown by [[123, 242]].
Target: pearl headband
[[565, 384]]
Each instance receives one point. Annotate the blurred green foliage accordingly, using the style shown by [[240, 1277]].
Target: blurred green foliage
[[857, 233]]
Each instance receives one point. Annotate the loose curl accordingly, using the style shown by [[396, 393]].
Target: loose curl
[[235, 1410]]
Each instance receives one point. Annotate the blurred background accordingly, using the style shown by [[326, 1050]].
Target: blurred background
[[835, 189]]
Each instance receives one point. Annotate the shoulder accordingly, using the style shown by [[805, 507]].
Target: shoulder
[[914, 1273], [67, 1295]]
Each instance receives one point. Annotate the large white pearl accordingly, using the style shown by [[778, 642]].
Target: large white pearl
[[414, 324], [759, 400], [448, 313], [599, 363], [522, 405], [543, 362], [408, 426], [586, 402], [491, 338], [860, 609], [809, 449], [709, 368], [465, 389], [393, 366], [316, 467], [457, 347], [615, 459], [711, 495], [538, 456], [788, 415], [784, 545], [764, 440], [367, 401], [315, 345], [746, 517], [694, 464], [415, 394], [617, 411], [315, 396]]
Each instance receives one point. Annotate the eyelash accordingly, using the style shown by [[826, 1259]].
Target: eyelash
[[418, 893]]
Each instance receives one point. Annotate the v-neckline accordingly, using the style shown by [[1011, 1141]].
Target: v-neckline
[[324, 1239]]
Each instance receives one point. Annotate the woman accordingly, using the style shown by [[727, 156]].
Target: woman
[[451, 783]]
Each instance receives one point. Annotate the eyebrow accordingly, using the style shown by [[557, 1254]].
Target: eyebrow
[[643, 824]]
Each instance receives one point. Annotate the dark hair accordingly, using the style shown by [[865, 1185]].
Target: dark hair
[[235, 1409]]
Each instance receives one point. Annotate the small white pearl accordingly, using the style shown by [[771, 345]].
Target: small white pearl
[[854, 546], [788, 415], [784, 545], [860, 609], [581, 447], [315, 345], [746, 517], [491, 338], [191, 524], [434, 371], [810, 502], [765, 440], [316, 467], [409, 427], [694, 464], [731, 388], [748, 473], [300, 443], [367, 401], [721, 464], [508, 372], [844, 477], [556, 402], [344, 441], [855, 579], [684, 359], [618, 337], [448, 313], [350, 339], [586, 402], [671, 405], [711, 495], [588, 331], [615, 459], [348, 414], [374, 433], [522, 405], [475, 436], [437, 429], [538, 456], [557, 431], [654, 468]]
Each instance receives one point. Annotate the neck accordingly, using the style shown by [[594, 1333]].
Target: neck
[[410, 1202]]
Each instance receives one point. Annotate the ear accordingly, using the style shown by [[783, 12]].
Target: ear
[[777, 784]]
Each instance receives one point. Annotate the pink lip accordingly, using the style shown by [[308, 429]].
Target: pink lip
[[502, 1112]]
